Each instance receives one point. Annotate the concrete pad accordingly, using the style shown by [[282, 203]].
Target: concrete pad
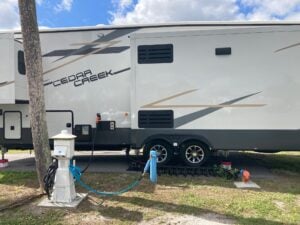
[[249, 184], [48, 203]]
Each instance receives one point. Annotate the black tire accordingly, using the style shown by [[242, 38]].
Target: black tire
[[164, 151], [194, 153]]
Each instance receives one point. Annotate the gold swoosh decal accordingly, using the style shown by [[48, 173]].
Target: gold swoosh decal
[[207, 106], [168, 98], [157, 105]]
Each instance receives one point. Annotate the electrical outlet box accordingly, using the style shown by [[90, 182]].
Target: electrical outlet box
[[60, 151]]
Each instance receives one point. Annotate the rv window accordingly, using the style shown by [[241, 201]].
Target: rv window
[[21, 63], [148, 54]]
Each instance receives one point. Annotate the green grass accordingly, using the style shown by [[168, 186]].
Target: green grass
[[244, 206], [278, 202], [27, 218], [20, 151], [16, 177]]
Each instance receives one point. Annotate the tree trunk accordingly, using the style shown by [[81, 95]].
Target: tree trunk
[[34, 72]]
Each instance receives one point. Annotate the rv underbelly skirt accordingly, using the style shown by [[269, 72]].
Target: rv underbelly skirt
[[224, 139]]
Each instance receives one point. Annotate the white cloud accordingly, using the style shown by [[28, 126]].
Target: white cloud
[[294, 17], [9, 16], [121, 7], [272, 9], [39, 2], [152, 11], [122, 4], [125, 3], [64, 5]]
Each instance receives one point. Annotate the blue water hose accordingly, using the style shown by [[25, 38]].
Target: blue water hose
[[151, 164]]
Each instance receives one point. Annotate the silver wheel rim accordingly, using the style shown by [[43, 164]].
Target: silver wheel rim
[[161, 153], [194, 154]]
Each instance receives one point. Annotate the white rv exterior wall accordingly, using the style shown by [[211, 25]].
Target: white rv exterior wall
[[21, 92], [253, 67], [108, 96], [7, 69]]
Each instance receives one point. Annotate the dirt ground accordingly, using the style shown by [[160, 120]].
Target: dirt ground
[[204, 219]]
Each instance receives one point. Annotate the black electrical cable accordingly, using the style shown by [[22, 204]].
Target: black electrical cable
[[49, 178], [92, 153]]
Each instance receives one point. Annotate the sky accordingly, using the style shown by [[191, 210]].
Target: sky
[[76, 13]]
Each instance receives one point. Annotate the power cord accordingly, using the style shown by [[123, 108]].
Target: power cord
[[49, 178], [92, 153]]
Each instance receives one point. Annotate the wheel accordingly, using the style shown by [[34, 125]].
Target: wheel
[[194, 153], [163, 150]]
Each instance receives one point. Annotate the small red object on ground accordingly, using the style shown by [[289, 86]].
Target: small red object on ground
[[245, 176], [3, 163], [226, 165]]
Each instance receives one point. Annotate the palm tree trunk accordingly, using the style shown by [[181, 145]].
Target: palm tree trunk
[[34, 72]]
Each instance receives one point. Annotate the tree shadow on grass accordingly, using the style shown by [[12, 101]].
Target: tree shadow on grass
[[113, 212], [189, 210]]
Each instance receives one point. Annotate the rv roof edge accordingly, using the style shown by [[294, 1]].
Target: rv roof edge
[[173, 24]]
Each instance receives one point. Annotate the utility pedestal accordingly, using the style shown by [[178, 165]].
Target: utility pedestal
[[64, 194]]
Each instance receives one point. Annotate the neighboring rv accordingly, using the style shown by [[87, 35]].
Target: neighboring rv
[[186, 89]]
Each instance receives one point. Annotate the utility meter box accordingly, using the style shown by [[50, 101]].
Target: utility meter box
[[64, 145]]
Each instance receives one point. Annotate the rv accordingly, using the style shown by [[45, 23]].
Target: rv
[[181, 89]]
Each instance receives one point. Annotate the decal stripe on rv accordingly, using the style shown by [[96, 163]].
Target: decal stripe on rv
[[201, 113]]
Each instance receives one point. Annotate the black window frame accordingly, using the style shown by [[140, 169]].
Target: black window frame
[[21, 63]]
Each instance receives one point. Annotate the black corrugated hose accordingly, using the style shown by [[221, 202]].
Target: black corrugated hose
[[49, 178]]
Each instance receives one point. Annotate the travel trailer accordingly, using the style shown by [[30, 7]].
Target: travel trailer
[[182, 89]]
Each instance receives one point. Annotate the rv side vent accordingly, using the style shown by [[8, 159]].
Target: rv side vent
[[223, 51], [156, 119], [148, 54]]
